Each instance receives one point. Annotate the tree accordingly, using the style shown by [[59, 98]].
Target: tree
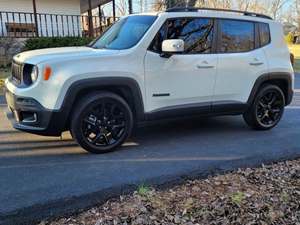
[[276, 7], [122, 7]]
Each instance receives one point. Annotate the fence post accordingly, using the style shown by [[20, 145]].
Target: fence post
[[130, 6], [35, 18], [100, 18], [90, 19], [114, 9]]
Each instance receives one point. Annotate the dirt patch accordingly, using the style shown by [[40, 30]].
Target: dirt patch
[[266, 195]]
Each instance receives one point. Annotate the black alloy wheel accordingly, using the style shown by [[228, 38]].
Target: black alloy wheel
[[267, 109], [102, 122]]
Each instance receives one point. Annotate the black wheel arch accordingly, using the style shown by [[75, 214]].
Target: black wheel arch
[[127, 88], [281, 79]]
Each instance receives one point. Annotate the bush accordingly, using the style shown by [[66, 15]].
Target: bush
[[51, 42], [289, 38]]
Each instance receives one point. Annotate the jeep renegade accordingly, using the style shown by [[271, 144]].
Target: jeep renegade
[[184, 61]]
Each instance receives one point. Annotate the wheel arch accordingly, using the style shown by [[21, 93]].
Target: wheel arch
[[127, 88], [283, 80]]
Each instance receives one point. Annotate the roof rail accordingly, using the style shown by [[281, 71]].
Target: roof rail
[[194, 9]]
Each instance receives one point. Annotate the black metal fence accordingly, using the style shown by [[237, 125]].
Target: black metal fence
[[24, 25]]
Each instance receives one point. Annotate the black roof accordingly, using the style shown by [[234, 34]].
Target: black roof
[[194, 9]]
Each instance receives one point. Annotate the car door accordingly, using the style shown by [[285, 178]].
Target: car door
[[182, 80], [241, 61]]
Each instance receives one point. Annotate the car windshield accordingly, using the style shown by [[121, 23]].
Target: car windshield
[[125, 33]]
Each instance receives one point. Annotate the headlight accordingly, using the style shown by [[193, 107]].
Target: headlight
[[34, 74]]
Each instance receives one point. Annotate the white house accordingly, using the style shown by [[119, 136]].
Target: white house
[[28, 18]]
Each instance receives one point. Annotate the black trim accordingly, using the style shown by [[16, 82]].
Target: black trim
[[201, 109], [53, 123], [47, 123], [285, 78], [122, 84]]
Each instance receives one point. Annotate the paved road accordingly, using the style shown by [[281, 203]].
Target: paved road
[[42, 176]]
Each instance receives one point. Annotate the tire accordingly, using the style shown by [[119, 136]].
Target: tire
[[101, 122], [266, 109]]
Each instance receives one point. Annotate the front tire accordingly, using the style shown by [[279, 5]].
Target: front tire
[[101, 122], [266, 109]]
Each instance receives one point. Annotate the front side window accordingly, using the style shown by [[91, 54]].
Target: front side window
[[125, 33], [264, 34], [197, 34], [236, 36]]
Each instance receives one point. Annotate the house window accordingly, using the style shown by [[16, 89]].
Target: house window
[[236, 36], [197, 34]]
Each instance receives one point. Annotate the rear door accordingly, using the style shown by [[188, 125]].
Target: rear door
[[241, 61]]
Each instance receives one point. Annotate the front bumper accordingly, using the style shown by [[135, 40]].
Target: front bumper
[[29, 115]]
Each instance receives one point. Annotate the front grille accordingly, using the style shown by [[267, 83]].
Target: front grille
[[17, 72]]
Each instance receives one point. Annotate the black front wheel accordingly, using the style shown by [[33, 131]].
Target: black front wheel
[[101, 122], [267, 108]]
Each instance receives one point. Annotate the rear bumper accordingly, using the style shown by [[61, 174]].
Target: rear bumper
[[29, 115]]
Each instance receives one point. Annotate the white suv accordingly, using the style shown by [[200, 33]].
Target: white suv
[[184, 61]]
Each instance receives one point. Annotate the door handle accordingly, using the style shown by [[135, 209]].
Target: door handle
[[204, 65], [256, 63]]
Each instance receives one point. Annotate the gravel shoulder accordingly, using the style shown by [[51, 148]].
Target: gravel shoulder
[[265, 195]]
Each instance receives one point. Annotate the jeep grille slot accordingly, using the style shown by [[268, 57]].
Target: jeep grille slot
[[16, 72]]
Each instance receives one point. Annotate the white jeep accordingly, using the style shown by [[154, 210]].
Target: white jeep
[[184, 61]]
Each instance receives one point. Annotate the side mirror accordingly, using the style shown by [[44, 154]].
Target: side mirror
[[172, 46]]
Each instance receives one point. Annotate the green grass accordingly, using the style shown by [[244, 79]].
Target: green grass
[[143, 190]]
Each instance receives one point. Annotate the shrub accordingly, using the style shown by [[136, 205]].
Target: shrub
[[51, 42], [289, 38]]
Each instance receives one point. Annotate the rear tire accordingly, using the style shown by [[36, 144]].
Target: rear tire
[[266, 109], [101, 122]]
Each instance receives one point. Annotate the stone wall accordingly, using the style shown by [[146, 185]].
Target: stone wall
[[8, 48]]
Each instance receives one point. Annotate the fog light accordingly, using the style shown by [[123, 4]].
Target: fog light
[[28, 117]]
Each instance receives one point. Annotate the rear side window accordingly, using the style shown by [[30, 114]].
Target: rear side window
[[264, 34], [236, 36], [197, 34]]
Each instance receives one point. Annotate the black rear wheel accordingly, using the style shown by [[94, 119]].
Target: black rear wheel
[[101, 122], [267, 108]]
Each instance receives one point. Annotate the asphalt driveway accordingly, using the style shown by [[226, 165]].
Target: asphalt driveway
[[42, 176]]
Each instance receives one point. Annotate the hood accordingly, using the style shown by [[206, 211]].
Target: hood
[[58, 54]]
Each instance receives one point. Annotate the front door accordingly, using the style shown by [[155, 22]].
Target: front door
[[185, 79]]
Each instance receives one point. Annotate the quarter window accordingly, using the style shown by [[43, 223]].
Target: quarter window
[[197, 34], [236, 36], [264, 34]]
